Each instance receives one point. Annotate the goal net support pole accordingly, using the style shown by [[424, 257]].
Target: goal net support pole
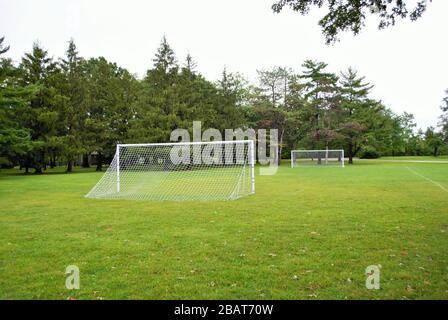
[[252, 163], [118, 168]]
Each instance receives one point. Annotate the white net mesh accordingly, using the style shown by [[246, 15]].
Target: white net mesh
[[305, 158], [179, 171]]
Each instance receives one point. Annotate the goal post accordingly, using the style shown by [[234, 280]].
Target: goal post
[[252, 163], [307, 158], [214, 170], [118, 167]]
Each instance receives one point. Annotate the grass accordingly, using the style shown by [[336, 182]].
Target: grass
[[419, 158], [307, 233], [219, 183]]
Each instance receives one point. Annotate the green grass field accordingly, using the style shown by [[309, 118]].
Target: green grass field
[[417, 158], [307, 233], [219, 183]]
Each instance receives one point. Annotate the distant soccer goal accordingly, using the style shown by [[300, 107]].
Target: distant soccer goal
[[303, 158], [216, 170]]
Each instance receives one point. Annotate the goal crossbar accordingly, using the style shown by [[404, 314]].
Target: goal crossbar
[[321, 150], [184, 143]]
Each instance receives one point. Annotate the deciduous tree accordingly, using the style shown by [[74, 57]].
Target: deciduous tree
[[351, 14]]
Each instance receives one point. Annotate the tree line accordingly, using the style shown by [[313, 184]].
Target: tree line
[[60, 112]]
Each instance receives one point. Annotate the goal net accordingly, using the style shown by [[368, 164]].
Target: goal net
[[217, 170], [304, 158]]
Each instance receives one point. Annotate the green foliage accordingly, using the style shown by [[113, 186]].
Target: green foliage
[[322, 95], [3, 48], [171, 97], [369, 152], [358, 111], [351, 14], [75, 111], [41, 114], [444, 118], [274, 85], [110, 94], [15, 139], [434, 140]]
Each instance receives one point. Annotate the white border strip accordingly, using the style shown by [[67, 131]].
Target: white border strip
[[405, 161], [426, 178]]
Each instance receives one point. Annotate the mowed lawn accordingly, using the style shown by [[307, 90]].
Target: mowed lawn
[[307, 233], [417, 158]]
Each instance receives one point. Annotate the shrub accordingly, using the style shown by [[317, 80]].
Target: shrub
[[369, 152]]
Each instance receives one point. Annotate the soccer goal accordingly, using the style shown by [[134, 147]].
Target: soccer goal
[[304, 158], [216, 170]]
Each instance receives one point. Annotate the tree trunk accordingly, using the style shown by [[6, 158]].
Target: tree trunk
[[39, 162], [52, 161], [350, 153], [99, 162], [85, 160], [436, 151], [69, 166]]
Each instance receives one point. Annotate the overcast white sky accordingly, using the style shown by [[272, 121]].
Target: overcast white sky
[[408, 64]]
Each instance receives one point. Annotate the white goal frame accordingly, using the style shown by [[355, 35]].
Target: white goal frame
[[250, 142], [324, 158], [115, 171]]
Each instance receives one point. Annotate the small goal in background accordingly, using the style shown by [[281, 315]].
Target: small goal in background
[[307, 158]]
